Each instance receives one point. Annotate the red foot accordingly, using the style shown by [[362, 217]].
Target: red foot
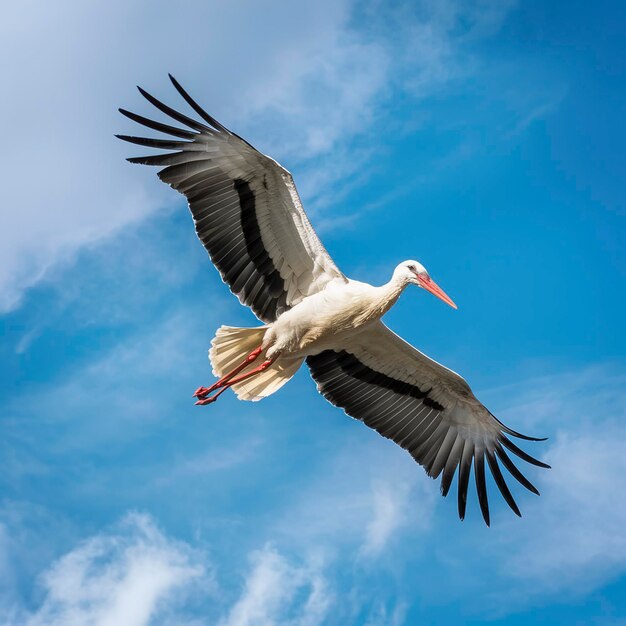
[[202, 391], [206, 401], [213, 398]]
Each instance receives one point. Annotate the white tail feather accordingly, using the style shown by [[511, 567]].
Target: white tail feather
[[231, 346]]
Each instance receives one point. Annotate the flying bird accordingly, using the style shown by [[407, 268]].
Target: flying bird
[[249, 217]]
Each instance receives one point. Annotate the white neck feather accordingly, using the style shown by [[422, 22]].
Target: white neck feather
[[388, 294]]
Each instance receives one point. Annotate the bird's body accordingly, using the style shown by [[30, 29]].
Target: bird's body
[[328, 319], [249, 217]]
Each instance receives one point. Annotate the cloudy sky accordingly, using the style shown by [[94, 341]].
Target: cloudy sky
[[483, 138]]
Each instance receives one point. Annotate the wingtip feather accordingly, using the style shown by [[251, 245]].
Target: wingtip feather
[[514, 433], [196, 107], [501, 483], [514, 471], [523, 455], [481, 485]]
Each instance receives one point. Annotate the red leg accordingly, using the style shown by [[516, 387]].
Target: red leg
[[201, 392], [234, 381], [256, 370]]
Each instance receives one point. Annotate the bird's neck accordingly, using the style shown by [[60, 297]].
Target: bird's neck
[[387, 295]]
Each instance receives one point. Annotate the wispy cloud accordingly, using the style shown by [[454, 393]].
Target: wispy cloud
[[302, 80], [209, 462], [574, 540], [293, 62], [360, 503], [383, 615], [132, 575], [570, 540], [355, 518], [389, 511], [277, 592], [577, 536]]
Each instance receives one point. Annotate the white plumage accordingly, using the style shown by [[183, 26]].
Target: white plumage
[[249, 217]]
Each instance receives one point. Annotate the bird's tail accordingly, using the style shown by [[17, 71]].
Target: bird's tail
[[231, 346]]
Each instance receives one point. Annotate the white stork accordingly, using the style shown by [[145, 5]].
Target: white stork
[[249, 217]]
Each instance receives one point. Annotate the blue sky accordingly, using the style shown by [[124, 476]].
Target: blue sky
[[484, 139]]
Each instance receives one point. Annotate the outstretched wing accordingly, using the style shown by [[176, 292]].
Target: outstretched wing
[[424, 407], [245, 207]]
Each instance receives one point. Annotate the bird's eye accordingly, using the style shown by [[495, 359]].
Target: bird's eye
[[412, 268]]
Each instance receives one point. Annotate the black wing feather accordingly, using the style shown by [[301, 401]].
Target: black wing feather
[[512, 469], [179, 117], [521, 454], [163, 144], [162, 128], [464, 474], [481, 485], [502, 486], [196, 107]]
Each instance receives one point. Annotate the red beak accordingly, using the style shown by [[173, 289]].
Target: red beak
[[430, 285]]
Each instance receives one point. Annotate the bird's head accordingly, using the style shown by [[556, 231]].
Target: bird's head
[[413, 272]]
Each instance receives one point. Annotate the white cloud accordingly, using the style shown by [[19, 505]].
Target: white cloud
[[69, 183], [572, 539], [381, 615], [278, 592], [366, 498], [215, 460], [132, 576], [577, 539], [389, 512], [431, 39], [356, 517], [372, 501], [302, 72]]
